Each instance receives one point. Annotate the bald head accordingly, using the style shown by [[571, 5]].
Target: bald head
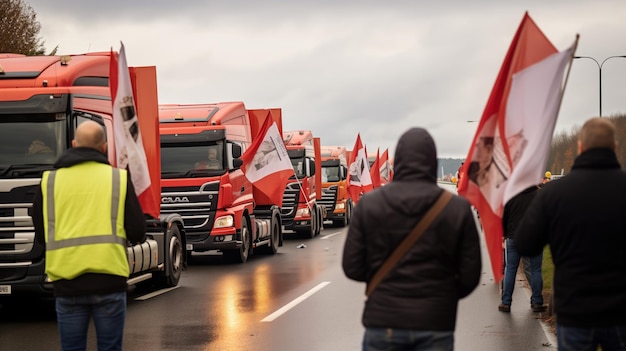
[[90, 134], [597, 132]]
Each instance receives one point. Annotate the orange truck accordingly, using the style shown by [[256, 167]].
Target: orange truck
[[302, 211], [45, 98], [216, 200], [335, 198]]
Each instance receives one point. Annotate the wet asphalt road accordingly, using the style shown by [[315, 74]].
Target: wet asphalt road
[[298, 299]]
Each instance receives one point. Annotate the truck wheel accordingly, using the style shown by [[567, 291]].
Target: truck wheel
[[348, 212], [318, 217], [174, 259], [240, 255], [314, 226]]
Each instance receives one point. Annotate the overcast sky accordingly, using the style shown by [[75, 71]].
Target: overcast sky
[[345, 67]]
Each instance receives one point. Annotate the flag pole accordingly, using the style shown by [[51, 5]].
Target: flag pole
[[569, 68]]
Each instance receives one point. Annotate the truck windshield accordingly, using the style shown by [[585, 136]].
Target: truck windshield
[[191, 160], [330, 173], [298, 166], [29, 142]]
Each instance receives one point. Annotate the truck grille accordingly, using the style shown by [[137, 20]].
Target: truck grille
[[196, 205], [329, 198], [17, 233], [290, 203]]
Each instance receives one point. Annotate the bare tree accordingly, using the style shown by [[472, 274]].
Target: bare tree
[[19, 29]]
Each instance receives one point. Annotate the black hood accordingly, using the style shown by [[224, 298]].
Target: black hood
[[78, 155], [416, 157]]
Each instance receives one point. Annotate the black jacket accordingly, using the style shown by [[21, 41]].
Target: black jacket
[[582, 217], [515, 208], [423, 290], [134, 224]]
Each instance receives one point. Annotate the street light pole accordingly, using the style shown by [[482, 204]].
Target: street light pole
[[599, 74]]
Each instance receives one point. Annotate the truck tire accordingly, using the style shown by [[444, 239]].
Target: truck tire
[[174, 259], [320, 220], [240, 255], [348, 212]]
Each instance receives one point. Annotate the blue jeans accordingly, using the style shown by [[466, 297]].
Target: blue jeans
[[510, 272], [388, 339], [108, 312], [587, 339]]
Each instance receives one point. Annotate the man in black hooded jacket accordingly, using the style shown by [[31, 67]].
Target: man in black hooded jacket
[[414, 307], [581, 217]]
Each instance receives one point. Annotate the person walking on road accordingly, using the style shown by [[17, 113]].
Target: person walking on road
[[513, 212], [84, 213], [414, 307], [581, 217]]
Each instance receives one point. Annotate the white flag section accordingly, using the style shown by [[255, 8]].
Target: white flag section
[[129, 149], [359, 178], [271, 157], [531, 111], [360, 170]]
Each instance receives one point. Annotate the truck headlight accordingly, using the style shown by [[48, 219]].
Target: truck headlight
[[224, 221], [340, 206], [303, 212]]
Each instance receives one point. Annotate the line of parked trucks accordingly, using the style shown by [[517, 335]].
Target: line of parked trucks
[[44, 98]]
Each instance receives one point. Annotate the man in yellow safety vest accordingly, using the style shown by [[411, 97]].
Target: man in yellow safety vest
[[84, 212]]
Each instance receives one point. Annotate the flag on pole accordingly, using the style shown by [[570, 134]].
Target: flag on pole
[[385, 167], [129, 151], [510, 148], [375, 171], [359, 179], [266, 163]]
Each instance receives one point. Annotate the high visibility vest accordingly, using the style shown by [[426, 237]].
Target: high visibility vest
[[83, 210]]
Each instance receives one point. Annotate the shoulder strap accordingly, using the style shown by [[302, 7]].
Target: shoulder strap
[[408, 242]]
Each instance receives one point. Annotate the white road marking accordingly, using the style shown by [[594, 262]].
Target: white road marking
[[329, 235], [156, 293], [295, 302]]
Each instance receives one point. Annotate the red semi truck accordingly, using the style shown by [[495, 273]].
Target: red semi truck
[[215, 199], [45, 98], [302, 211]]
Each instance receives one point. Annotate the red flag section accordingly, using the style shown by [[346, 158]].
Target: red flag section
[[129, 147], [266, 163], [375, 171], [385, 168], [359, 180], [511, 145]]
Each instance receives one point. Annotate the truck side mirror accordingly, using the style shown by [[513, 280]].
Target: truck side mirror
[[311, 165], [236, 150], [237, 163], [343, 171]]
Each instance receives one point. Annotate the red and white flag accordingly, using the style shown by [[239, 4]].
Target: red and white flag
[[359, 179], [385, 168], [510, 149], [129, 150], [375, 171], [266, 163]]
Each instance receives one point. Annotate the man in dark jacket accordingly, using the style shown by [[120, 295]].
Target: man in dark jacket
[[513, 213], [78, 214], [581, 217], [414, 307]]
